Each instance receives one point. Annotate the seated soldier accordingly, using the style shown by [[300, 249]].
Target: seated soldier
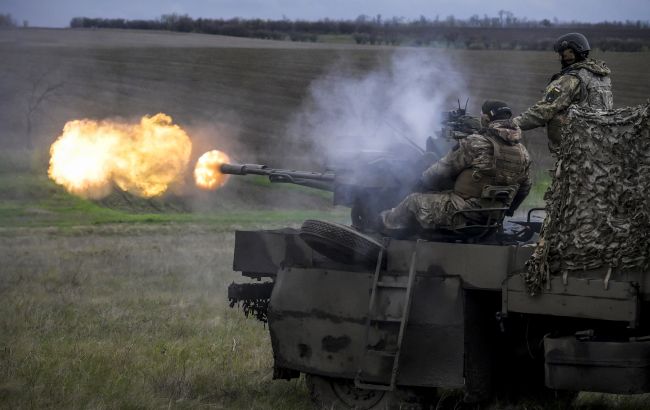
[[493, 157]]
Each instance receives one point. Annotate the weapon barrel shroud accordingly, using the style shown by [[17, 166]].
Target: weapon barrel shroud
[[318, 180]]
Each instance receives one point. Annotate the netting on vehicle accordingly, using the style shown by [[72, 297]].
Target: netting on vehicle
[[598, 203]]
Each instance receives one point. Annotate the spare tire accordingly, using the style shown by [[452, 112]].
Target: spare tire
[[340, 243]]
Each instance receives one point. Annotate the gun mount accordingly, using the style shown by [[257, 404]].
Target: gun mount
[[456, 124], [374, 182]]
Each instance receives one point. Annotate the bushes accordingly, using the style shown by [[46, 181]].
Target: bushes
[[475, 34], [7, 21]]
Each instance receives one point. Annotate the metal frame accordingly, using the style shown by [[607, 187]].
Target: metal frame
[[489, 225], [371, 319]]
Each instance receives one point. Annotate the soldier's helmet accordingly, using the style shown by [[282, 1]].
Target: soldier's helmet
[[496, 110], [575, 41]]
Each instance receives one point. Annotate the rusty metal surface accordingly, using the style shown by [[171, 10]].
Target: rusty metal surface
[[317, 318], [262, 253], [434, 343], [610, 367], [317, 321], [479, 266], [582, 298], [642, 278]]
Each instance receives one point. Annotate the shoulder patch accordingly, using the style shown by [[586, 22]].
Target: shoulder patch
[[553, 94]]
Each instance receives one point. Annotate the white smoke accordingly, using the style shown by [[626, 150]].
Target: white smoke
[[397, 101]]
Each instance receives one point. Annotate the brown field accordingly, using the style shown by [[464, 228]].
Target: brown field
[[98, 314], [243, 89]]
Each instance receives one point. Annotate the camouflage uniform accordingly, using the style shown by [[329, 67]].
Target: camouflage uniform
[[585, 83], [471, 166]]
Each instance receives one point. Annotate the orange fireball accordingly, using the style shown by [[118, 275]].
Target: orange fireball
[[91, 157], [207, 173]]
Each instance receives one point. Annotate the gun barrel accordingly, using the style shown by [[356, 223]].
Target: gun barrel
[[319, 180], [244, 169]]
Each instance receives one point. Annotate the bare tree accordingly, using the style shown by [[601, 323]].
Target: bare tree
[[41, 90]]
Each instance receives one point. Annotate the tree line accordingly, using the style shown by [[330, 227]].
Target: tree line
[[504, 31], [7, 21]]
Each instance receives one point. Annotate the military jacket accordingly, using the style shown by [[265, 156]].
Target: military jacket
[[586, 83], [493, 157]]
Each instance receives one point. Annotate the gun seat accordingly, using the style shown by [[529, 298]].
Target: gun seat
[[464, 230], [471, 224], [477, 223]]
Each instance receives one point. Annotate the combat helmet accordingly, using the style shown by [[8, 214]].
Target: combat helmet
[[496, 110], [575, 41]]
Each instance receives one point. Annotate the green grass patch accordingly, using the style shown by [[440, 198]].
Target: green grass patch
[[535, 199], [28, 200], [77, 211]]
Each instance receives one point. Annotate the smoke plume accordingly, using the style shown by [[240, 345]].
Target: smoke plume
[[397, 101]]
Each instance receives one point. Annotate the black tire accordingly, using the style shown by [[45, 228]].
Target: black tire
[[341, 394], [340, 243]]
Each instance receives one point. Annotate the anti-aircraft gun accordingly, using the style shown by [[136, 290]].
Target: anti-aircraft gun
[[380, 322], [373, 181], [368, 185]]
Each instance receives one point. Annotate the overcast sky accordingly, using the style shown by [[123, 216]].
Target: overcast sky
[[57, 13]]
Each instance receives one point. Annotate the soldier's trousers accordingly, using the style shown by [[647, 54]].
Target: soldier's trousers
[[428, 210]]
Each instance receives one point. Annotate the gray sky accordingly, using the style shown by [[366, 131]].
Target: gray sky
[[57, 13]]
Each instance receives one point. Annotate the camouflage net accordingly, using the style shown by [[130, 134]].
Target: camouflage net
[[598, 204]]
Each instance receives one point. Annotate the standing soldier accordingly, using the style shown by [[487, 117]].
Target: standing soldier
[[583, 81], [489, 159]]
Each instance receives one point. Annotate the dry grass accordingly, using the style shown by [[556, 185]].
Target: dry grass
[[129, 317]]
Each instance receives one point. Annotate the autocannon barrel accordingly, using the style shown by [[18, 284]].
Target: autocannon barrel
[[245, 169], [318, 180]]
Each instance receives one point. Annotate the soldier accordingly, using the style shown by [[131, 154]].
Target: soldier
[[493, 157], [582, 81]]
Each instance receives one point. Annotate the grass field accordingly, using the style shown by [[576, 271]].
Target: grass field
[[129, 317], [121, 303]]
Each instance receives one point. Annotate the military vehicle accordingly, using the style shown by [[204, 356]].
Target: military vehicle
[[382, 321]]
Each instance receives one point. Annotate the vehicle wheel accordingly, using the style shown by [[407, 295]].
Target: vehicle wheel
[[340, 243], [341, 394]]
